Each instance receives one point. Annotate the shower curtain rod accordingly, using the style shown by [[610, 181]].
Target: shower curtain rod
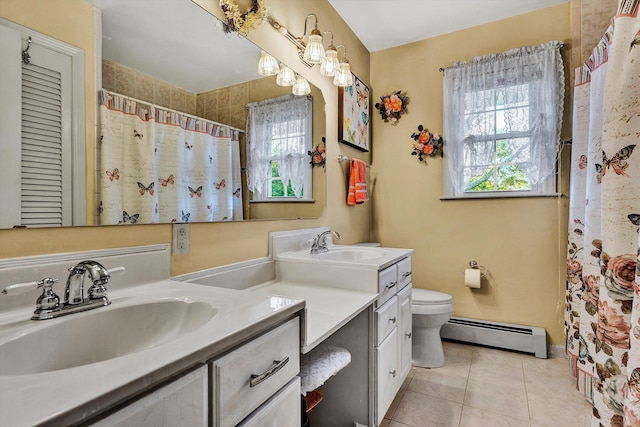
[[131, 98], [441, 69]]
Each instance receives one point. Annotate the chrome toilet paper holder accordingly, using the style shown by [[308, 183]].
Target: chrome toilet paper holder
[[482, 268]]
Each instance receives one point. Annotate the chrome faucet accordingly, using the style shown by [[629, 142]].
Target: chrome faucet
[[319, 243], [74, 289], [48, 305]]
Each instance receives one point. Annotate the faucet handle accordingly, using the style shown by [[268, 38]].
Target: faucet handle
[[20, 288]]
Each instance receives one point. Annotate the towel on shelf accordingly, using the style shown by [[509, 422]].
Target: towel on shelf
[[320, 364], [357, 183]]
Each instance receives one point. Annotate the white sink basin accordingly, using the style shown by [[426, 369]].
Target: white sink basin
[[352, 254], [100, 334]]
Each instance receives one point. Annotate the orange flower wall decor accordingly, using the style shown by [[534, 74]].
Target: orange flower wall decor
[[318, 154], [426, 143], [392, 106]]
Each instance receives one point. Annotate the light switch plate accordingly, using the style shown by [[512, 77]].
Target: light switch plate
[[180, 239]]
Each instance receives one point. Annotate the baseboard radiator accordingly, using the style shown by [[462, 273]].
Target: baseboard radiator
[[528, 339]]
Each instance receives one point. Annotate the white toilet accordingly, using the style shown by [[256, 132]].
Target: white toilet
[[430, 310]]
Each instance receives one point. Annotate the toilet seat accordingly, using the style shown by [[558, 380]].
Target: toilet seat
[[427, 297], [424, 301]]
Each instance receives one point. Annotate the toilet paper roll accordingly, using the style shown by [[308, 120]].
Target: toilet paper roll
[[472, 278]]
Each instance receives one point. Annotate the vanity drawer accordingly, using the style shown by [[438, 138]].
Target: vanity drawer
[[386, 319], [249, 375], [387, 283], [404, 272], [283, 410]]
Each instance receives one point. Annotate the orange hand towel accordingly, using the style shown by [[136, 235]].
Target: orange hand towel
[[357, 183]]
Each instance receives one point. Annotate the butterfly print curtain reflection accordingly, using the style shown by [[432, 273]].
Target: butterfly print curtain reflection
[[602, 318], [353, 115], [160, 166]]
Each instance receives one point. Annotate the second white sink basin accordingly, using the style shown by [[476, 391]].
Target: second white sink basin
[[352, 254], [100, 334]]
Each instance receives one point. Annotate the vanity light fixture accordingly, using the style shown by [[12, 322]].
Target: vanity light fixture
[[286, 76], [301, 87], [331, 64], [313, 51], [343, 76], [267, 65]]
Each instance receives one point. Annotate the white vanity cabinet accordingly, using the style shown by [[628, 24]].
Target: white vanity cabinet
[[255, 384], [250, 375], [393, 334], [182, 402]]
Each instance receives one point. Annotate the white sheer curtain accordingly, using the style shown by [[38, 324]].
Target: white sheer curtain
[[517, 96], [279, 129], [160, 166]]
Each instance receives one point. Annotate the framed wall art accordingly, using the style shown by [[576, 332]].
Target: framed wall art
[[353, 115]]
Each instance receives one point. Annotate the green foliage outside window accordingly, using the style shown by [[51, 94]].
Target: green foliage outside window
[[503, 175]]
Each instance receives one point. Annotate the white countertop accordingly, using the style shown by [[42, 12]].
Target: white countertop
[[66, 396], [327, 308]]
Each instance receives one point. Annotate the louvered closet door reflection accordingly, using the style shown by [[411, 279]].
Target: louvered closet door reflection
[[45, 130]]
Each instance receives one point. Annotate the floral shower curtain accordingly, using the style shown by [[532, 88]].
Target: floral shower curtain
[[603, 297], [160, 166]]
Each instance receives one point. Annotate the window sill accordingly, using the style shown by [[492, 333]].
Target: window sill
[[502, 196], [283, 200]]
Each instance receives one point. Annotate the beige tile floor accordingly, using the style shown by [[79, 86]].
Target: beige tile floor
[[483, 387]]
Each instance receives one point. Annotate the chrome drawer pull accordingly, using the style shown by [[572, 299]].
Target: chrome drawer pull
[[392, 319], [408, 335], [277, 365], [390, 285], [406, 274], [393, 373]]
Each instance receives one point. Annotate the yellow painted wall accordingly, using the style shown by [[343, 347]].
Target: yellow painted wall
[[212, 244], [521, 241]]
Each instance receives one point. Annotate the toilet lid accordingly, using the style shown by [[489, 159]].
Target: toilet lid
[[427, 297]]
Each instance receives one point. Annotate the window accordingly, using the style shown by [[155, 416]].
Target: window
[[503, 115], [279, 138]]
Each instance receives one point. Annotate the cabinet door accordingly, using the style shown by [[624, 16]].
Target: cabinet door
[[387, 372], [404, 332], [180, 403], [282, 410]]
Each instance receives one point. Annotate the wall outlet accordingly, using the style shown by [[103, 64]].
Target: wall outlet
[[180, 239]]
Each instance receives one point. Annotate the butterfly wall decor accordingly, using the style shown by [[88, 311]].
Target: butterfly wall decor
[[220, 184], [353, 115]]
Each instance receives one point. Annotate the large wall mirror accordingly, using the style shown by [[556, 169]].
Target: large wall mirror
[[175, 55]]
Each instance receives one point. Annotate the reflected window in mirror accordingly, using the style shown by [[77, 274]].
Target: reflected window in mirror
[[279, 138]]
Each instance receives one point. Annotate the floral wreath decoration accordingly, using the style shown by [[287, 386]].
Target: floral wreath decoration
[[318, 154], [392, 106], [426, 143], [243, 22]]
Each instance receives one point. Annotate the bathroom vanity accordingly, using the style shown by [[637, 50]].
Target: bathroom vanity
[[173, 353], [357, 298], [166, 352]]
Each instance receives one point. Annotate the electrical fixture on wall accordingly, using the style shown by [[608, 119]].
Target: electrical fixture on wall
[[301, 86], [286, 76], [268, 65], [343, 76], [312, 52]]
